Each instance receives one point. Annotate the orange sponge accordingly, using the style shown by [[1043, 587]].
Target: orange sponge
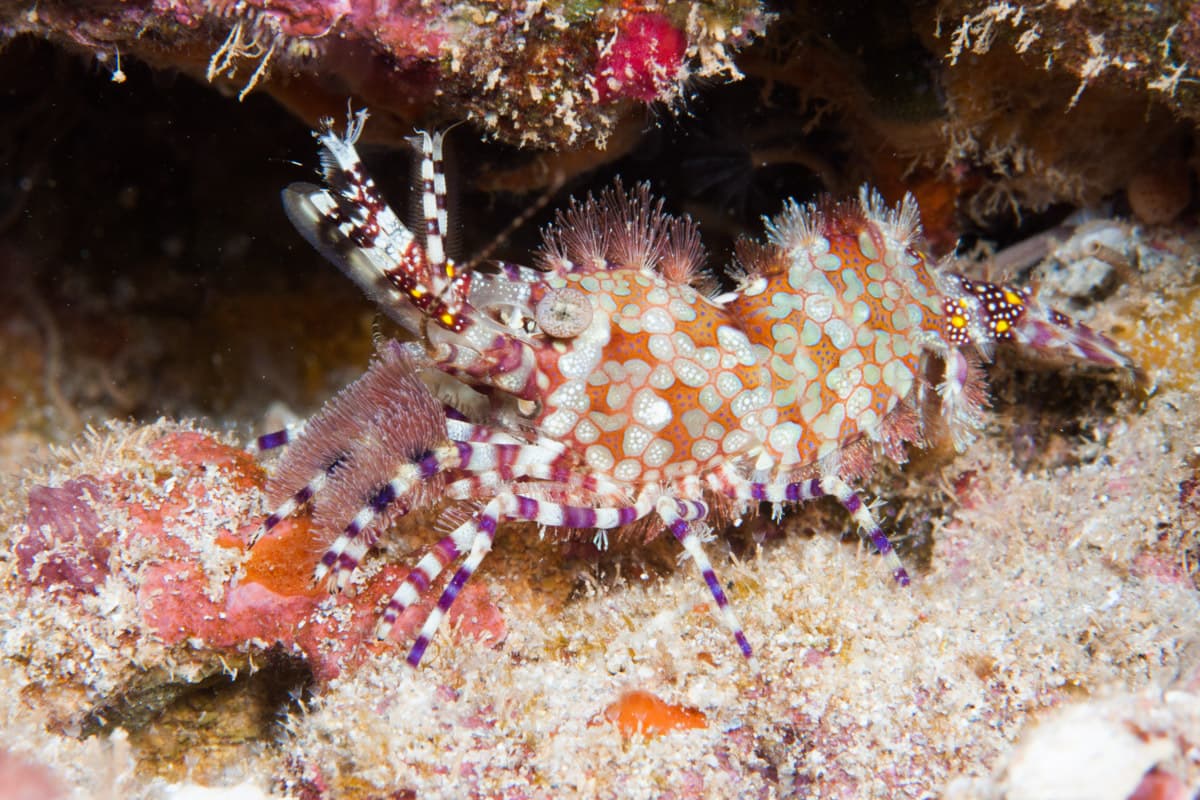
[[640, 711]]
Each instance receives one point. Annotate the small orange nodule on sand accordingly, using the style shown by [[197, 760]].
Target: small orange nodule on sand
[[640, 711]]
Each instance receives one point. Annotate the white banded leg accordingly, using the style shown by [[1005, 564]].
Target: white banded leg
[[462, 431], [489, 484], [347, 551], [812, 489], [344, 555], [352, 226], [862, 515], [433, 201], [497, 463], [481, 532], [678, 515], [293, 503], [512, 460], [449, 284], [752, 491], [275, 439], [422, 576]]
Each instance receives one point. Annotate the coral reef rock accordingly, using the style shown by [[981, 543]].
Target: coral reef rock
[[533, 73]]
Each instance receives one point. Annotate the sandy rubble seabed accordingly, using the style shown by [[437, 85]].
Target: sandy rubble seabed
[[1049, 644]]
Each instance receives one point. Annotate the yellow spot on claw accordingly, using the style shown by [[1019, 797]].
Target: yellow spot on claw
[[447, 319], [1001, 325], [958, 321], [1012, 297]]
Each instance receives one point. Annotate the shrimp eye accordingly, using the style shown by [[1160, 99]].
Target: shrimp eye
[[564, 313]]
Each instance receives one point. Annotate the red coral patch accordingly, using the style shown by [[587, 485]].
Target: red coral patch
[[643, 61]]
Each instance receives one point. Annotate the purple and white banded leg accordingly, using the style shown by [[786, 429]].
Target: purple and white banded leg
[[861, 513], [507, 461], [344, 555], [275, 439], [293, 504], [478, 535], [463, 431], [780, 492], [681, 518], [350, 448]]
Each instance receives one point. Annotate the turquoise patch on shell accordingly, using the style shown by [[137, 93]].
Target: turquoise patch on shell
[[854, 285], [827, 262], [867, 245]]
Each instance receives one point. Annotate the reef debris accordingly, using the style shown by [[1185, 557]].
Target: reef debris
[[131, 549], [544, 75]]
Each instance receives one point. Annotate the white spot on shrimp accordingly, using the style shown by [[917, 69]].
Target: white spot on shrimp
[[651, 410]]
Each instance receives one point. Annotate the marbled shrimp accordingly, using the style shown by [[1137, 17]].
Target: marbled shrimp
[[608, 388]]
